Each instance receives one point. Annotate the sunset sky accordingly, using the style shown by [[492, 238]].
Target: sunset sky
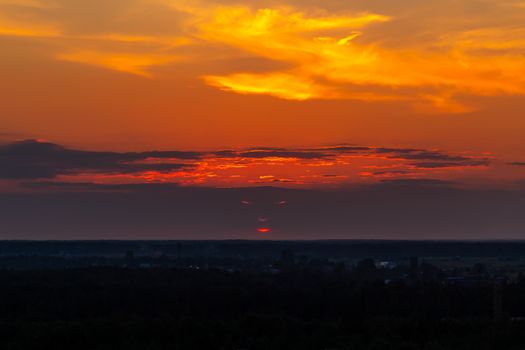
[[304, 94]]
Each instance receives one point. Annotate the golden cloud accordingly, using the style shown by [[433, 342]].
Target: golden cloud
[[325, 55], [279, 85], [11, 27], [27, 3], [122, 62], [323, 62]]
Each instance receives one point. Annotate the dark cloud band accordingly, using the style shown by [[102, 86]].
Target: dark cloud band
[[32, 159]]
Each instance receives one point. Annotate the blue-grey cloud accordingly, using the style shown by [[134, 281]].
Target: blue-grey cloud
[[31, 159]]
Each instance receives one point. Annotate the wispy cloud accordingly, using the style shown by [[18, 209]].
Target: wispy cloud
[[330, 62], [323, 54], [120, 61]]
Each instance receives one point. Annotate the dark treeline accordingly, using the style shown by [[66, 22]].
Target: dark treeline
[[357, 249], [170, 308]]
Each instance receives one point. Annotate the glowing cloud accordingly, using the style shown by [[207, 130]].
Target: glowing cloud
[[9, 27], [123, 62], [285, 35], [32, 160], [279, 85], [27, 3], [317, 54], [327, 62]]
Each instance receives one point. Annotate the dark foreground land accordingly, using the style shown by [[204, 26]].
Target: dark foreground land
[[53, 296]]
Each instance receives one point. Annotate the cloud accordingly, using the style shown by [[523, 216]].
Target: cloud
[[391, 172], [29, 4], [417, 182], [120, 61], [445, 159], [33, 159], [360, 51], [465, 163], [287, 86], [113, 43], [331, 62], [282, 153], [97, 187], [10, 27]]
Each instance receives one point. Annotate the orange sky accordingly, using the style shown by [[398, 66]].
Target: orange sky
[[135, 75]]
